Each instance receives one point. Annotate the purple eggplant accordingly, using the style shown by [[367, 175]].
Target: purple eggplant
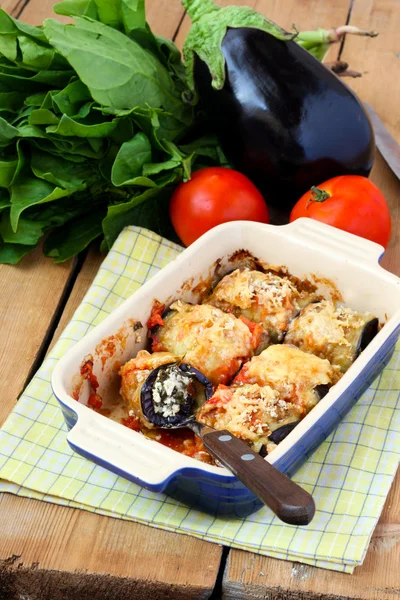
[[279, 434], [283, 118]]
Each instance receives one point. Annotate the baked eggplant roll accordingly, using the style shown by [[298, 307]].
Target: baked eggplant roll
[[248, 411], [214, 342], [272, 393], [133, 375], [264, 298], [336, 333], [137, 374], [298, 377]]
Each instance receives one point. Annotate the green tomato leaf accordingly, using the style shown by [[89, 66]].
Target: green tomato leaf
[[130, 159]]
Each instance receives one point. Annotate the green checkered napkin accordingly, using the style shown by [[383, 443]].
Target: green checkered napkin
[[349, 475]]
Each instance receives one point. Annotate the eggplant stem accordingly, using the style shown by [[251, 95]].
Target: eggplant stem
[[331, 36], [336, 35], [196, 9]]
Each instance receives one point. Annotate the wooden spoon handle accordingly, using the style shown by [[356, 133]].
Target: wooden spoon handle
[[285, 498]]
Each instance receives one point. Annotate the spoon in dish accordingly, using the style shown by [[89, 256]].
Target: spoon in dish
[[168, 400]]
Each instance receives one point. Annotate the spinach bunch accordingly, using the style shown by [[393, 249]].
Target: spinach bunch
[[96, 128]]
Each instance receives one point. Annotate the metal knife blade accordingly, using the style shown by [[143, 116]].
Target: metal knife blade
[[385, 142]]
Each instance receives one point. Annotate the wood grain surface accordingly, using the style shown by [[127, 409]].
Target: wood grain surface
[[254, 577], [26, 311], [379, 61], [49, 552], [63, 552]]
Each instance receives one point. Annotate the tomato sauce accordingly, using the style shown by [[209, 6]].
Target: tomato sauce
[[182, 440], [156, 315], [95, 401], [87, 373], [256, 330], [132, 422]]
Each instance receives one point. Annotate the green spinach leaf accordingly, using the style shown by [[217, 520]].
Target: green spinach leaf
[[131, 158]]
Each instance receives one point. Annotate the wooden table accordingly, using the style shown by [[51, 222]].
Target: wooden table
[[49, 552]]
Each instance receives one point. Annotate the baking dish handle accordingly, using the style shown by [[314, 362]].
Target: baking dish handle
[[117, 448], [342, 243]]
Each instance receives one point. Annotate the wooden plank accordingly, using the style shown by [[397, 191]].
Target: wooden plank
[[13, 7], [67, 553], [26, 312], [379, 60], [34, 12], [86, 551], [254, 577], [101, 545]]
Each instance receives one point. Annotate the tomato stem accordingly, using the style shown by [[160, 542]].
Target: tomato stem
[[318, 195]]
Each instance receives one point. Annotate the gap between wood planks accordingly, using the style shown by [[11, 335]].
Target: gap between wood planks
[[18, 9], [342, 43]]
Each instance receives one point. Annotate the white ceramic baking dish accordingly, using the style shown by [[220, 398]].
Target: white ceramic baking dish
[[305, 246]]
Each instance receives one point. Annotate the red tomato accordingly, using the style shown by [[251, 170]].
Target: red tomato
[[213, 196], [349, 202]]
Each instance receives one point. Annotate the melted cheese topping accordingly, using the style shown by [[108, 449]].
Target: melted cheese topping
[[294, 374], [214, 342], [249, 412], [264, 298], [329, 332], [133, 375]]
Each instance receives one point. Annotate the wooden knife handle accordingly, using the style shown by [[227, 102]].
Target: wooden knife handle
[[285, 498]]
